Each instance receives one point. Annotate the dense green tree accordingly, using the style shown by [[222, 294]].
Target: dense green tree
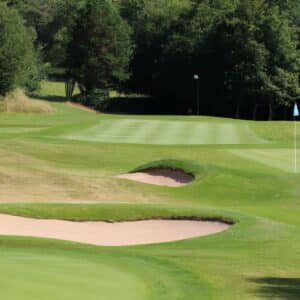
[[259, 46], [17, 57], [280, 38], [152, 23], [100, 48], [245, 52], [245, 56], [191, 49], [50, 23], [37, 15], [60, 30]]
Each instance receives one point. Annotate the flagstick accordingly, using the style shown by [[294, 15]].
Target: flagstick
[[295, 128]]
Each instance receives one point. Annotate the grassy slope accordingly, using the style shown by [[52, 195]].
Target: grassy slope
[[257, 258]]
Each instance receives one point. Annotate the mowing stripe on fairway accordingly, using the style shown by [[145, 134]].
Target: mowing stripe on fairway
[[167, 133], [282, 159]]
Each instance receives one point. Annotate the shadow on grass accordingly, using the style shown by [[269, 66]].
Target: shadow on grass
[[50, 98], [278, 288], [132, 105]]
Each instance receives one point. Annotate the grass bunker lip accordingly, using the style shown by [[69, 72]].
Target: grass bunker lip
[[100, 233], [162, 176]]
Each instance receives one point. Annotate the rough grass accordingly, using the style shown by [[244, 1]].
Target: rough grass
[[17, 101]]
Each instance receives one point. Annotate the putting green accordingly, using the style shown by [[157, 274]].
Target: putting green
[[148, 131]]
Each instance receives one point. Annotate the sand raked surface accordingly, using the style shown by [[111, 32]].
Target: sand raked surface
[[160, 176], [109, 234]]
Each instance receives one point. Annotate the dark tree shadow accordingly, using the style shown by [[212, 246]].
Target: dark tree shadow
[[132, 105], [50, 98], [276, 287]]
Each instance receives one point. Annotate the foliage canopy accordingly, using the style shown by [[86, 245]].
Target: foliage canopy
[[18, 60], [100, 47]]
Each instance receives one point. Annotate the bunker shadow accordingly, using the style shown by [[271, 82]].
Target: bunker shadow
[[277, 287]]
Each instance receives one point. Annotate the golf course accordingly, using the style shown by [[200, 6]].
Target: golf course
[[150, 149], [65, 165]]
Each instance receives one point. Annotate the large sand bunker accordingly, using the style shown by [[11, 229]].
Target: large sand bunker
[[161, 176], [109, 234]]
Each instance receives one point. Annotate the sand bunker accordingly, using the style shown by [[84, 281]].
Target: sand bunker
[[109, 234], [160, 176]]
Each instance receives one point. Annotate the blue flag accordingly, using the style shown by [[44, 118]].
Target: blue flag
[[296, 111]]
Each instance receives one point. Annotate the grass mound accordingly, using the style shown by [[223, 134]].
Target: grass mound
[[171, 173], [118, 212], [185, 166], [17, 101]]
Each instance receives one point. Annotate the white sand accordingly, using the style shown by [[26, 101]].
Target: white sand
[[163, 177], [109, 234]]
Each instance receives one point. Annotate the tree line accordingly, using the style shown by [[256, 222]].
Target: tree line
[[245, 53]]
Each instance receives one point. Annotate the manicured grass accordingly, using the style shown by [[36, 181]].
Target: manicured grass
[[283, 159], [242, 172], [162, 132], [112, 212], [45, 275]]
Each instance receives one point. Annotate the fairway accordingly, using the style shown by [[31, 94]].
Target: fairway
[[66, 166], [283, 159], [59, 276], [137, 131]]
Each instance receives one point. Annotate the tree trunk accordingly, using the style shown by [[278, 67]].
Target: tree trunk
[[237, 111], [83, 92], [255, 112], [70, 86], [2, 105], [270, 112], [81, 88]]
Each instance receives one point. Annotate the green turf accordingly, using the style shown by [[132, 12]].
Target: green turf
[[283, 159], [243, 172], [161, 132], [36, 275]]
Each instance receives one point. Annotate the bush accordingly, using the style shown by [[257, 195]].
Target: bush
[[97, 99]]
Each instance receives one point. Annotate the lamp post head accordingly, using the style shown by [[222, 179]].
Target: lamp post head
[[196, 76]]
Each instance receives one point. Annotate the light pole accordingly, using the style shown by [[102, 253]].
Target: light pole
[[197, 79]]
